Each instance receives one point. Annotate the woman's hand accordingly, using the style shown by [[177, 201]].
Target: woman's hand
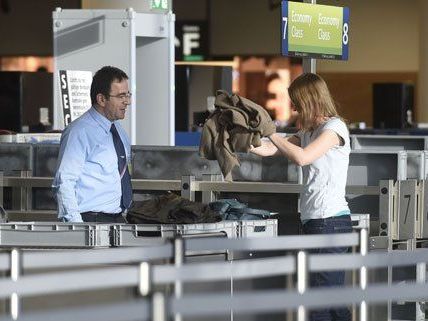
[[265, 149]]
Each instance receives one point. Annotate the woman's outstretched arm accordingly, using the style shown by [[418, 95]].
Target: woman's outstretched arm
[[268, 148], [305, 156]]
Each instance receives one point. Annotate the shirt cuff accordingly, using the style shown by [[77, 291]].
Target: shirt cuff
[[76, 218]]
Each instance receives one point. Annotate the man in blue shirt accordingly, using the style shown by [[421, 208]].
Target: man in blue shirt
[[92, 182]]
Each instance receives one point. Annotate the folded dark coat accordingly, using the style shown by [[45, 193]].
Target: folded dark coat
[[236, 124], [171, 209]]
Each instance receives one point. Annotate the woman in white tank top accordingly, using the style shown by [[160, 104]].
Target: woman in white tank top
[[322, 148]]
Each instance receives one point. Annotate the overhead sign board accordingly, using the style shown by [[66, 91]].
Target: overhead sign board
[[191, 41], [314, 31]]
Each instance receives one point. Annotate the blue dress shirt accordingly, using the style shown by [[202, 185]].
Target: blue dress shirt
[[87, 178]]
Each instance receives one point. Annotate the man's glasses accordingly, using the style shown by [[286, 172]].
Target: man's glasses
[[123, 96]]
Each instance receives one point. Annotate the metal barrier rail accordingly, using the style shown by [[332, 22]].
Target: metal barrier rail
[[197, 186], [277, 243], [372, 260], [282, 265], [143, 275], [208, 304], [137, 184], [32, 260], [69, 282], [266, 187], [241, 269], [123, 311], [81, 258], [74, 258], [280, 300]]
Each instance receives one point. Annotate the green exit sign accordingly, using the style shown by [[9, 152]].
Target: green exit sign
[[159, 4]]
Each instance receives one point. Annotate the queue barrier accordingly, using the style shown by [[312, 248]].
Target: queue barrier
[[31, 259], [280, 300], [158, 307], [19, 261], [215, 304]]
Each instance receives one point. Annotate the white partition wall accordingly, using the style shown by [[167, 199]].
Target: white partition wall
[[141, 44]]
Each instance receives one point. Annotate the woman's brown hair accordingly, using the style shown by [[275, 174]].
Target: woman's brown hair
[[312, 99]]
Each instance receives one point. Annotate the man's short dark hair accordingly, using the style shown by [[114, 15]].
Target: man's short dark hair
[[102, 80]]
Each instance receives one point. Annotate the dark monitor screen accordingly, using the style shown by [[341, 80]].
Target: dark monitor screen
[[193, 84]]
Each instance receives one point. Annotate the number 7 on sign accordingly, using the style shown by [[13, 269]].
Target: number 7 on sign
[[285, 19]]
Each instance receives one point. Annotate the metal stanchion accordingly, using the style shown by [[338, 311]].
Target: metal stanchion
[[3, 214], [302, 281], [210, 196], [1, 188], [158, 307], [289, 283], [15, 272], [144, 285], [363, 272], [186, 187], [421, 272], [231, 291], [179, 252]]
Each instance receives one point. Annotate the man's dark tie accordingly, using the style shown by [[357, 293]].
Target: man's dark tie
[[122, 165]]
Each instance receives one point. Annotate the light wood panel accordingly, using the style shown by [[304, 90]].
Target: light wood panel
[[354, 92]]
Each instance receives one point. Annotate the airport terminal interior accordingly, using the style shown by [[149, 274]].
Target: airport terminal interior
[[214, 160]]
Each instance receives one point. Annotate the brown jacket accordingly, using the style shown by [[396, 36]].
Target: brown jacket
[[171, 209], [236, 124]]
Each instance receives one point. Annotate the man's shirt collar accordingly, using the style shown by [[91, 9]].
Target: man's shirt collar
[[100, 119]]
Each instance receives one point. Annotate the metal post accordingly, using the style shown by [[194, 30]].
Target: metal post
[[210, 196], [302, 282], [391, 199], [28, 193], [144, 285], [388, 196], [17, 194], [289, 282], [186, 187], [179, 252], [21, 196], [15, 272], [310, 65], [421, 271], [423, 208], [3, 214], [421, 268], [1, 188], [387, 209], [158, 307], [354, 282], [231, 290], [363, 272]]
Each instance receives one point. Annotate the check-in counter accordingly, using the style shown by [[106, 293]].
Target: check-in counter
[[389, 142]]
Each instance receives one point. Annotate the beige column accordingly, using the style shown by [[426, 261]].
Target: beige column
[[422, 90]]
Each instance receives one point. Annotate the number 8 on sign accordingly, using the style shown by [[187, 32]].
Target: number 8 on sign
[[345, 37]]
